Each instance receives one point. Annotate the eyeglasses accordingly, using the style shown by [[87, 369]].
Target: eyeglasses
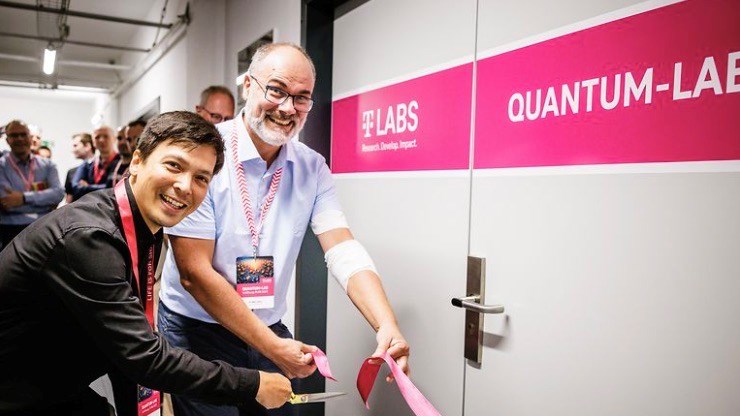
[[277, 96], [216, 116], [15, 135]]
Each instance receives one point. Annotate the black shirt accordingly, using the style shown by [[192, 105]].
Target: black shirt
[[68, 314], [68, 180]]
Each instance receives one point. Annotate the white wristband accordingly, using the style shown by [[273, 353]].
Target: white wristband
[[347, 258]]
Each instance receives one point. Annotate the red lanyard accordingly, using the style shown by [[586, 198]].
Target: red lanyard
[[129, 230], [27, 180], [99, 171], [254, 228]]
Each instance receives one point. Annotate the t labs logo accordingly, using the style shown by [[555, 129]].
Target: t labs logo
[[395, 119]]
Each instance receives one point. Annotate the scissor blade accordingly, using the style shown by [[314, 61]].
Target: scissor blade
[[314, 397]]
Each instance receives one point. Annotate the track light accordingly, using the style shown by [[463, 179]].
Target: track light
[[50, 56]]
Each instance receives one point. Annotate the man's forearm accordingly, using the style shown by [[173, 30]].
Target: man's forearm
[[366, 292], [44, 198]]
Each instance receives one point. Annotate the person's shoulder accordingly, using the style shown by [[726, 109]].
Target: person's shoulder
[[92, 215], [95, 211], [225, 129], [43, 162], [304, 153]]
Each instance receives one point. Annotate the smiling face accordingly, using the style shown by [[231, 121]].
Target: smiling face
[[172, 182], [19, 140], [287, 69]]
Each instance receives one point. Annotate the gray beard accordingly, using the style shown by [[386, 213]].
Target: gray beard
[[274, 139]]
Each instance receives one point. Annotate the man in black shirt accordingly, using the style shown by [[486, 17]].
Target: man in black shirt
[[74, 304], [94, 176]]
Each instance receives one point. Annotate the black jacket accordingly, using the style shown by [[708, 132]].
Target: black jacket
[[68, 314]]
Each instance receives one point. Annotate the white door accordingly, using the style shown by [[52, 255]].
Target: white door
[[619, 280], [413, 222], [616, 259]]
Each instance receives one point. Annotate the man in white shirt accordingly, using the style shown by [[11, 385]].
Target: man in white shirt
[[225, 282]]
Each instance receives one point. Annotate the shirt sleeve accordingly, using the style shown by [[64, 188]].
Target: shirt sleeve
[[84, 172], [201, 223], [4, 182], [50, 196], [326, 194], [98, 294]]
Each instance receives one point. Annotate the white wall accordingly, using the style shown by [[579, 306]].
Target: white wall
[[247, 21], [59, 114], [206, 55]]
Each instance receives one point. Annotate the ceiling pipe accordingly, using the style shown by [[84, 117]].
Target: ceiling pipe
[[170, 39], [74, 42], [82, 64], [42, 8]]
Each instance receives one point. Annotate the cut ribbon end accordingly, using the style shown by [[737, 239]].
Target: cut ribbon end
[[416, 401], [322, 363]]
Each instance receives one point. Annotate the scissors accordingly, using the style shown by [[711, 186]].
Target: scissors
[[312, 397]]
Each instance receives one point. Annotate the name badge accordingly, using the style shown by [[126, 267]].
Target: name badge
[[148, 402], [39, 186], [255, 281]]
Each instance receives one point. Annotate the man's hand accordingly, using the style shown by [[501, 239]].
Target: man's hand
[[274, 390], [390, 339], [82, 182], [11, 199], [293, 357]]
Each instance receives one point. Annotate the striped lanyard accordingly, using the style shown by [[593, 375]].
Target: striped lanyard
[[129, 231], [254, 227], [27, 180]]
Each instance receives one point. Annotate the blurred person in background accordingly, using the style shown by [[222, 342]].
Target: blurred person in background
[[29, 184], [35, 132], [44, 152], [126, 146], [83, 149], [96, 176], [216, 104]]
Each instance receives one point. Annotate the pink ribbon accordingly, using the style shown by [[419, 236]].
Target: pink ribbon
[[322, 363], [416, 401]]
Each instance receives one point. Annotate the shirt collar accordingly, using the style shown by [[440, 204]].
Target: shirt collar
[[21, 162], [143, 233], [246, 150]]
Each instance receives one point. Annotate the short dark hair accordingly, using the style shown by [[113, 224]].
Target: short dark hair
[[182, 128], [215, 89], [137, 122], [85, 138]]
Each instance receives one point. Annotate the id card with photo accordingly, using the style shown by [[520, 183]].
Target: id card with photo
[[148, 402], [255, 281]]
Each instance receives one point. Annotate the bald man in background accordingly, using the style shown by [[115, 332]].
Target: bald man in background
[[216, 104], [94, 176]]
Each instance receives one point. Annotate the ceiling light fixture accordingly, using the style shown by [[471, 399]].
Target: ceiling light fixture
[[50, 56]]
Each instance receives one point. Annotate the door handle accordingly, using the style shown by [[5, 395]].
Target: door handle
[[474, 310], [471, 303]]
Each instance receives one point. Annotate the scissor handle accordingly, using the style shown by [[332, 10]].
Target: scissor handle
[[297, 398]]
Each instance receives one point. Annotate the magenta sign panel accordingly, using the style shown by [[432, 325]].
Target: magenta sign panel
[[419, 124], [660, 86]]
